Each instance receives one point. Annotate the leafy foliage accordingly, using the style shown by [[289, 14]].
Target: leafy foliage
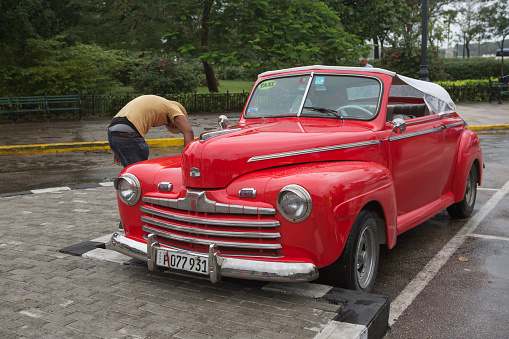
[[471, 68], [406, 61], [56, 68], [164, 75], [262, 34], [495, 17]]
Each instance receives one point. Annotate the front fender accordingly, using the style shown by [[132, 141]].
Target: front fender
[[339, 190], [469, 152]]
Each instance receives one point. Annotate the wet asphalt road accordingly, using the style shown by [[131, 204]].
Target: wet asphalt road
[[23, 173], [456, 303]]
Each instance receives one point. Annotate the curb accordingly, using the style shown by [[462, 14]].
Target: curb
[[490, 127], [79, 146], [166, 142]]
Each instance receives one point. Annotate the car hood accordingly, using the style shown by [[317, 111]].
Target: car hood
[[216, 161]]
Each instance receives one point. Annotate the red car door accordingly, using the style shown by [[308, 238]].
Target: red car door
[[422, 164]]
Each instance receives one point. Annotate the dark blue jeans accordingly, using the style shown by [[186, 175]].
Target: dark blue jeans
[[129, 150]]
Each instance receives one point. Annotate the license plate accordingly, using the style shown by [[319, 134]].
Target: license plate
[[185, 262]]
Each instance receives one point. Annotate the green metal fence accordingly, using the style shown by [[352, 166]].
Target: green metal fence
[[194, 103]]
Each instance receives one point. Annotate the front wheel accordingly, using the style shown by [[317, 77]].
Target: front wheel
[[465, 207], [357, 266]]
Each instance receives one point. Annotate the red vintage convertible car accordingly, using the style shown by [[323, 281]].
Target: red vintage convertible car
[[325, 165]]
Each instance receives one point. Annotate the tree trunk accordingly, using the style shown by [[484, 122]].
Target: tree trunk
[[211, 77], [377, 49], [209, 70]]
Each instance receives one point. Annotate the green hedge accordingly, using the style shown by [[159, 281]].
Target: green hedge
[[450, 69], [471, 68]]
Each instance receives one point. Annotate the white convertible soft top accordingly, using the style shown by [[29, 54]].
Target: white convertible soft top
[[435, 96]]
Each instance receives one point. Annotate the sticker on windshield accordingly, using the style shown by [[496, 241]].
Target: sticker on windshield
[[252, 110], [319, 80], [267, 84]]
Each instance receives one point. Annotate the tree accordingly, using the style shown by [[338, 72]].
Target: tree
[[469, 10], [372, 20], [32, 19], [494, 15], [449, 18], [55, 67], [136, 25], [260, 33]]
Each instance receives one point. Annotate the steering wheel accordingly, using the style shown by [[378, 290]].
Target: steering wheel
[[365, 113]]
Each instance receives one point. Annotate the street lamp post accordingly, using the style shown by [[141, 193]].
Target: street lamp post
[[423, 71]]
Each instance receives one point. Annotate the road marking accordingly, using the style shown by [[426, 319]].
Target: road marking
[[488, 237], [412, 290], [50, 190], [483, 189]]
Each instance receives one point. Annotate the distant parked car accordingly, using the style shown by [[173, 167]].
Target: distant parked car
[[499, 52], [325, 164]]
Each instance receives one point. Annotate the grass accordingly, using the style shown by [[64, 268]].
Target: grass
[[232, 86]]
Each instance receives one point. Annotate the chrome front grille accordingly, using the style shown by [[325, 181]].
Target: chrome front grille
[[194, 222]]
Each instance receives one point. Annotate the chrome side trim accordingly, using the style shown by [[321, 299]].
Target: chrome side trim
[[456, 124], [199, 241], [225, 266], [190, 229], [207, 221], [432, 130], [313, 150], [208, 135], [197, 201], [414, 134], [434, 117]]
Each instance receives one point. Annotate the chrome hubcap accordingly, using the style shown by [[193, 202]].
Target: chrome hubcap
[[366, 255], [469, 190]]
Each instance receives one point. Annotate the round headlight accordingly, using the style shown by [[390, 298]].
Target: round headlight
[[128, 189], [294, 203]]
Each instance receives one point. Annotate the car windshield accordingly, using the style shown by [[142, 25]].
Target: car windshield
[[336, 96]]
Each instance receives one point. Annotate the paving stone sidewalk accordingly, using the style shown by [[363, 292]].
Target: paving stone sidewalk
[[48, 294]]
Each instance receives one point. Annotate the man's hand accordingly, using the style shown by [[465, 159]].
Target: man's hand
[[116, 161]]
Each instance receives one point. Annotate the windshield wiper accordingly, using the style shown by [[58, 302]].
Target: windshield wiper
[[325, 110]]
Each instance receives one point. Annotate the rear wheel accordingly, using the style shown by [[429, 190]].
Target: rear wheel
[[465, 207], [357, 266]]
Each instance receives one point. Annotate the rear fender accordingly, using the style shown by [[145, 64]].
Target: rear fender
[[469, 153]]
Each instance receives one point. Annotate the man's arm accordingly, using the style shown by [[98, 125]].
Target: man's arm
[[181, 122]]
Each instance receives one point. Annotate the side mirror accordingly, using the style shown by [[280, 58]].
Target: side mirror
[[399, 126], [223, 121]]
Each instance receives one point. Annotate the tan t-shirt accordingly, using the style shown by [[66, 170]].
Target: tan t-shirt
[[151, 111]]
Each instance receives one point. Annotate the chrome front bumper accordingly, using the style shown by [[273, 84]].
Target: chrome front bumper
[[220, 266]]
